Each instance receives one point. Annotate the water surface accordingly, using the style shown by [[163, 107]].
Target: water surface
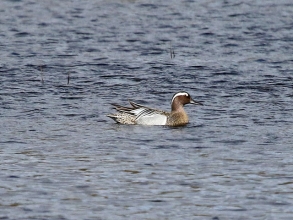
[[63, 63]]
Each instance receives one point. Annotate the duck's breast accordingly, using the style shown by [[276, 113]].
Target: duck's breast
[[177, 118]]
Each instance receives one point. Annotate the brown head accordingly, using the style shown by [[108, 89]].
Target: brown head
[[180, 99]]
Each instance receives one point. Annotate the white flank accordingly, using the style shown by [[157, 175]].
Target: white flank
[[155, 119], [179, 94]]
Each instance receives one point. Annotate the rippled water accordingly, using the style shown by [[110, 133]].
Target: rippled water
[[63, 63]]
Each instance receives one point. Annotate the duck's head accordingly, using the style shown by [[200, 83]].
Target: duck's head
[[182, 98]]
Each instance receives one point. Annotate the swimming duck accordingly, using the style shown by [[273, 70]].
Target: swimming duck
[[139, 114]]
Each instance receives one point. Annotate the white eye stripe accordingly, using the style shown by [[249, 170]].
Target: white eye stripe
[[179, 94]]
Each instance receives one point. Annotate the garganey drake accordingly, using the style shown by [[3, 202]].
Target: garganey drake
[[139, 114]]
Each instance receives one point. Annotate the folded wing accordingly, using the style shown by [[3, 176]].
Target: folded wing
[[142, 114]]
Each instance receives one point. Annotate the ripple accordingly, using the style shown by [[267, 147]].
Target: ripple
[[64, 62]]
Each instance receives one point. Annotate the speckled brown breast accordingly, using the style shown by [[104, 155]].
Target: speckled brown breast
[[177, 118]]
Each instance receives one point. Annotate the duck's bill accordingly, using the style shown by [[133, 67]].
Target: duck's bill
[[195, 102]]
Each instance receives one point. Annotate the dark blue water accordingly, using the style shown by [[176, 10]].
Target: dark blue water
[[63, 63]]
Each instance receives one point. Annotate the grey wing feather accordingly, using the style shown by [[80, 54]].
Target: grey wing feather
[[142, 111], [136, 106], [138, 110]]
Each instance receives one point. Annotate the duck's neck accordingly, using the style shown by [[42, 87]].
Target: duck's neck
[[178, 115], [176, 106]]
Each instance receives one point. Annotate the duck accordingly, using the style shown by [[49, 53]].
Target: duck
[[142, 115]]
